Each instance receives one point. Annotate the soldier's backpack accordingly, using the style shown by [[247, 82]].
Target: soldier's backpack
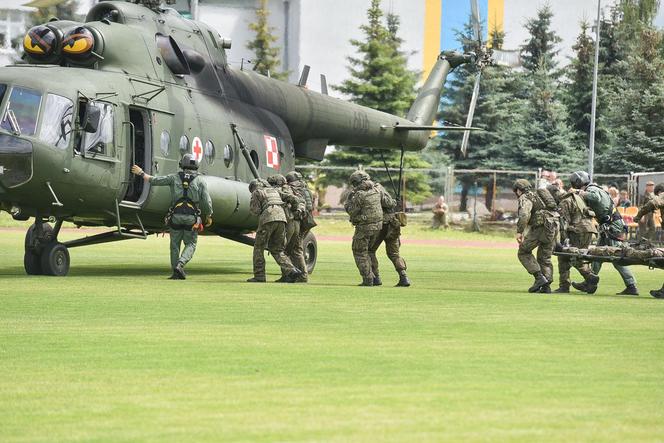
[[185, 212]]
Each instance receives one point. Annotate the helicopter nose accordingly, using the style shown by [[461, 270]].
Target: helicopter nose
[[15, 161]]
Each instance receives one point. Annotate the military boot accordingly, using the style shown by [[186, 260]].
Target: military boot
[[292, 276], [377, 281], [179, 271], [540, 281], [281, 279], [629, 290], [658, 294], [366, 281], [256, 280], [546, 289], [403, 280], [585, 287], [174, 276], [562, 289]]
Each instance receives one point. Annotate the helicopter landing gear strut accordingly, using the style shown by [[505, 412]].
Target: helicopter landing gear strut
[[44, 254]]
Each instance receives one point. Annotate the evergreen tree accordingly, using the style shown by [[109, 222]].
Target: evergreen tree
[[380, 79], [636, 111], [539, 52], [579, 92], [267, 55]]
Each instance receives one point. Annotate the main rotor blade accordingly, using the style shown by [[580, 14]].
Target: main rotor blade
[[471, 114], [476, 21], [506, 58]]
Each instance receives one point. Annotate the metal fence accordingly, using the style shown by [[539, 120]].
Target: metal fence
[[486, 192]]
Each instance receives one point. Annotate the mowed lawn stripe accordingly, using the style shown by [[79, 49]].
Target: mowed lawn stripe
[[115, 352]]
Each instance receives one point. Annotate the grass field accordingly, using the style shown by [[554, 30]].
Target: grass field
[[115, 352]]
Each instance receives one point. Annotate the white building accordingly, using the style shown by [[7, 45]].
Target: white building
[[13, 24]]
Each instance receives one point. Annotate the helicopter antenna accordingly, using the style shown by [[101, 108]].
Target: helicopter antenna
[[305, 76]]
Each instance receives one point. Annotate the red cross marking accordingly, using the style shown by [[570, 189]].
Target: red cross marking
[[197, 149]]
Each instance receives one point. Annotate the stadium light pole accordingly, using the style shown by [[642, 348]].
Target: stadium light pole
[[591, 144]]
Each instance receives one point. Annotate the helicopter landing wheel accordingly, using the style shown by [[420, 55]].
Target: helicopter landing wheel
[[34, 241], [310, 247], [55, 260]]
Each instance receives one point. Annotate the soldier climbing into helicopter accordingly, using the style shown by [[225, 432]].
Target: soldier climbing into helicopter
[[189, 213]]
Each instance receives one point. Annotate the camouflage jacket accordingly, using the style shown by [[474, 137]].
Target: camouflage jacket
[[295, 206], [575, 215], [267, 205], [655, 203], [387, 203], [364, 206], [197, 192]]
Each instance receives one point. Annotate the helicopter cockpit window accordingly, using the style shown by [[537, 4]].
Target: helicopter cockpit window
[[57, 124], [100, 142], [22, 111]]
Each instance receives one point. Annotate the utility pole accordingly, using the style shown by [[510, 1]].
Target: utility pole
[[591, 144]]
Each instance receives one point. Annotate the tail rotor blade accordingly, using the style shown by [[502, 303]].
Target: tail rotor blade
[[471, 114], [511, 59], [477, 22]]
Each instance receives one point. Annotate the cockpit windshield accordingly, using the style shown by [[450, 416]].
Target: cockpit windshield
[[21, 112]]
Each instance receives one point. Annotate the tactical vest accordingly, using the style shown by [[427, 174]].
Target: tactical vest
[[369, 204], [272, 198], [541, 211], [184, 213], [581, 215]]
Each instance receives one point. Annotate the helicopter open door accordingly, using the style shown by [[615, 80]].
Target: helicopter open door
[[139, 152]]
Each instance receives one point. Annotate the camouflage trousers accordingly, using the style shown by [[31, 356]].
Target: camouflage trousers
[[294, 249], [189, 238], [576, 240], [363, 239], [440, 220], [625, 272], [543, 238], [391, 235], [648, 228], [271, 236]]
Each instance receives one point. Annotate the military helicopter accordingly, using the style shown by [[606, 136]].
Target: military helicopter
[[139, 84]]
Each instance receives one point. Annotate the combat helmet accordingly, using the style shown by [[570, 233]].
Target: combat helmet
[[522, 185], [255, 184], [276, 180], [188, 162], [579, 179], [293, 176], [358, 177], [659, 188]]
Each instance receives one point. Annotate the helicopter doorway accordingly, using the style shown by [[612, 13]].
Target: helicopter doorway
[[139, 153]]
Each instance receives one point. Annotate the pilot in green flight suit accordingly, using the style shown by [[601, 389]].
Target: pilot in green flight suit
[[190, 204]]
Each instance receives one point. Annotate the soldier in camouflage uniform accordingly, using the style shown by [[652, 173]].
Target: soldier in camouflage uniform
[[391, 235], [612, 229], [294, 208], [307, 221], [271, 232], [366, 214], [536, 228], [187, 213], [577, 230], [647, 228], [656, 202]]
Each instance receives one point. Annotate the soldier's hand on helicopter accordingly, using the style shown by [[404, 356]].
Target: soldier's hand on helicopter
[[208, 221], [519, 238], [136, 170]]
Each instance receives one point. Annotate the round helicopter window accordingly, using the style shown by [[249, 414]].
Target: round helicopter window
[[165, 143], [228, 155], [210, 152], [184, 145]]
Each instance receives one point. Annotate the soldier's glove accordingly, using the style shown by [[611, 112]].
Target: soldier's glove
[[136, 170], [208, 221]]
